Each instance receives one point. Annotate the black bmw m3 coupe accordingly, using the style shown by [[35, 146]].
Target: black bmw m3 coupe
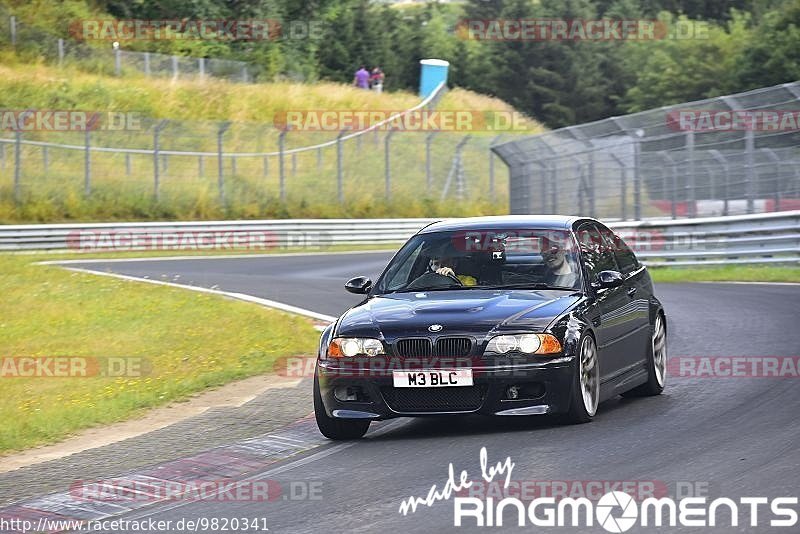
[[516, 315]]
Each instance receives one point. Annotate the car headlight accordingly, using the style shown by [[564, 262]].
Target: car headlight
[[349, 347], [524, 343]]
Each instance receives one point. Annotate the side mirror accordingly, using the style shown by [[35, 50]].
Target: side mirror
[[608, 279], [359, 285]]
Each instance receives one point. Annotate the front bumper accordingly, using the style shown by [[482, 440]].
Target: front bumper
[[544, 387]]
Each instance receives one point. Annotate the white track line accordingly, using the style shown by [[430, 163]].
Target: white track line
[[239, 296]]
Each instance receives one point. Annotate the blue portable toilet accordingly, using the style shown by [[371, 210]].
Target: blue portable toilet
[[432, 73]]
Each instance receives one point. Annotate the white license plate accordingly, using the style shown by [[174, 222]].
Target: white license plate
[[432, 378]]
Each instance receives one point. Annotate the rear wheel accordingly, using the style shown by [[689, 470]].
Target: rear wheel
[[656, 363], [332, 427], [586, 386]]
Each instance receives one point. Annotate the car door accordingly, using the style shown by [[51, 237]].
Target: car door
[[638, 289], [606, 312]]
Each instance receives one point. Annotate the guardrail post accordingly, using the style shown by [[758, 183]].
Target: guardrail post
[[428, 175], [554, 187], [117, 62], [387, 140], [233, 165], [3, 156], [12, 22], [174, 60], [147, 63], [220, 163], [200, 166], [156, 148], [749, 150], [339, 166], [265, 170], [127, 164], [294, 163], [281, 163], [45, 159], [201, 66], [87, 164], [319, 158], [60, 53]]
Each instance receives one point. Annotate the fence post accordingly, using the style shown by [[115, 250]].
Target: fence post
[[147, 63], [201, 64], [461, 185], [554, 187], [174, 60], [265, 170], [319, 158], [339, 163], [387, 182], [87, 167], [45, 159], [245, 75], [491, 166], [281, 163], [233, 165], [117, 62], [3, 156], [294, 163], [12, 21], [127, 164], [428, 176], [60, 53], [691, 193], [637, 177], [221, 164], [749, 150], [200, 166], [156, 148], [17, 164], [590, 189]]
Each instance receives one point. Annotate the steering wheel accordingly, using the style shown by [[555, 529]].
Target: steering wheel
[[435, 280]]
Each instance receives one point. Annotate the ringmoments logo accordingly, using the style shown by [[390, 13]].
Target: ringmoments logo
[[615, 511]]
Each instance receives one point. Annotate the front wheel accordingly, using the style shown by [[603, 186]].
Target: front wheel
[[586, 385], [656, 363], [333, 428]]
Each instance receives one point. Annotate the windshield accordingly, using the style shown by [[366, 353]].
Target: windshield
[[484, 259]]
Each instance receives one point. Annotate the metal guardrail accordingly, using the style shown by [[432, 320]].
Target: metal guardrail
[[751, 239]]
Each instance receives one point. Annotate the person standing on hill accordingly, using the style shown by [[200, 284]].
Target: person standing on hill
[[361, 79], [376, 79]]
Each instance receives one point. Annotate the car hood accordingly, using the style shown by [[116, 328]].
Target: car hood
[[457, 311]]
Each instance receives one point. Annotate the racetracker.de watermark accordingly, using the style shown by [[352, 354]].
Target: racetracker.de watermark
[[197, 30], [117, 490], [54, 120], [421, 120], [734, 367], [760, 120], [73, 366], [553, 29], [121, 240]]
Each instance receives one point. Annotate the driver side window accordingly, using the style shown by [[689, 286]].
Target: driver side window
[[597, 255]]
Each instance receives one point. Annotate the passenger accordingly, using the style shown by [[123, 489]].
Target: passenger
[[559, 271]]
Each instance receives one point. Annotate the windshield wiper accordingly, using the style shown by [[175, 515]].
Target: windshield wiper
[[528, 285]]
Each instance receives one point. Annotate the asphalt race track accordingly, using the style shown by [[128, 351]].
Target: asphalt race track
[[728, 437]]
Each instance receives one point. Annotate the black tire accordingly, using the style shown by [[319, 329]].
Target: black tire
[[333, 428], [578, 413], [653, 386]]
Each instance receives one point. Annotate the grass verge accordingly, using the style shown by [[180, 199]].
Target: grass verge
[[182, 342], [726, 273]]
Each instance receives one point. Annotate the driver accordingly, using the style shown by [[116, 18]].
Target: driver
[[445, 266], [559, 270]]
